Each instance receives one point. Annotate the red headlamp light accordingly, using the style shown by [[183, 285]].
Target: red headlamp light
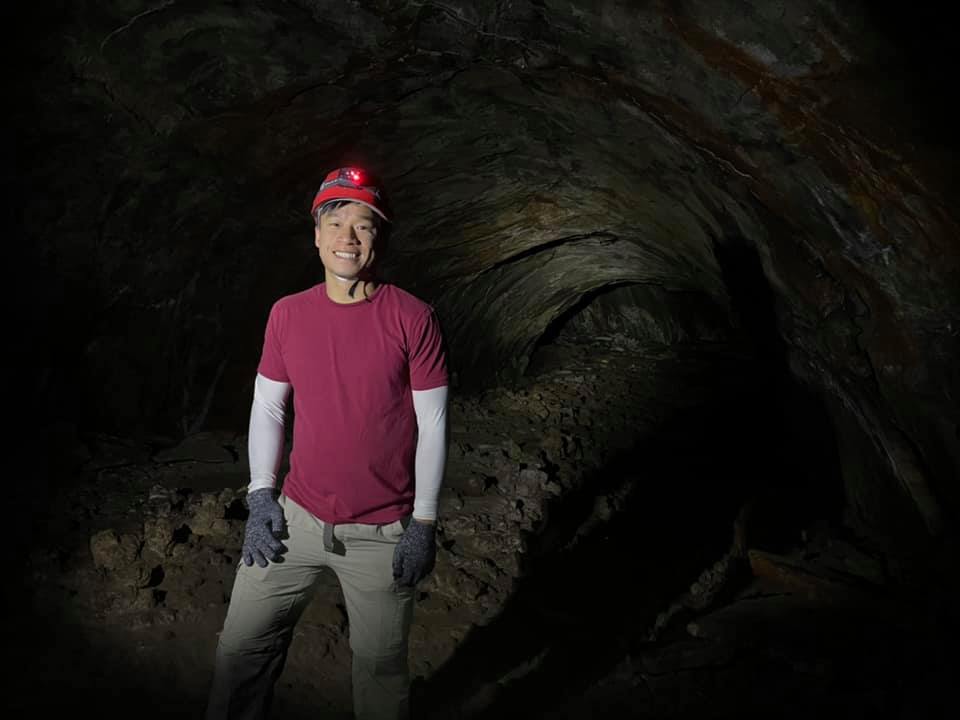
[[351, 183]]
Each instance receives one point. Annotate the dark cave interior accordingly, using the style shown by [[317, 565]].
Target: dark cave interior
[[698, 267]]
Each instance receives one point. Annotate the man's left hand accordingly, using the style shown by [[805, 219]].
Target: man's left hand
[[414, 556]]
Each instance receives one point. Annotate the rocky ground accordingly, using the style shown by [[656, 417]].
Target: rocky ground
[[600, 556]]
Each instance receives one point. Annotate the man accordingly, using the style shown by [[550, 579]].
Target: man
[[366, 363]]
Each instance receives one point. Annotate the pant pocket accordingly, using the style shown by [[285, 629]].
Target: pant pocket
[[394, 531], [298, 516]]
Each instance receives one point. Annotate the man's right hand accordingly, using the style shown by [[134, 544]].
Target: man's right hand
[[265, 527]]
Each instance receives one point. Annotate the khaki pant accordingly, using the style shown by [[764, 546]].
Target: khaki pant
[[267, 602]]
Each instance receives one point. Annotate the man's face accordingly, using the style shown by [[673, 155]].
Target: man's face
[[345, 239]]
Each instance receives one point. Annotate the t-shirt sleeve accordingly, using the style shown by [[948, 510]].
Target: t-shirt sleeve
[[271, 364], [428, 355]]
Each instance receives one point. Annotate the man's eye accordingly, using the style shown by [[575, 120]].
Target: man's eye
[[333, 224]]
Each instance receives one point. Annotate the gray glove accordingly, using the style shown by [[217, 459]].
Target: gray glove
[[265, 527], [414, 556]]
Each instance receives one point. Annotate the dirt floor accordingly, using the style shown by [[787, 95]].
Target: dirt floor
[[596, 561]]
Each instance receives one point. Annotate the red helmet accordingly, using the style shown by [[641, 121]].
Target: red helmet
[[352, 183]]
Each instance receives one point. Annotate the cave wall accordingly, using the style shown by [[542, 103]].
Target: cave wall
[[633, 316], [536, 152]]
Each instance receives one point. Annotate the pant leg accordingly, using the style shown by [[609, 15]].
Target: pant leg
[[264, 607], [379, 618]]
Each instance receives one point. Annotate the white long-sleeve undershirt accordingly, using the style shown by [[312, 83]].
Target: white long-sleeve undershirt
[[431, 409], [265, 441], [265, 438]]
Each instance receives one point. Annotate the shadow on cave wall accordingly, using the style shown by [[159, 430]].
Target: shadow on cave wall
[[800, 432]]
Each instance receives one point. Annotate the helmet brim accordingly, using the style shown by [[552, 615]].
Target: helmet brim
[[352, 195]]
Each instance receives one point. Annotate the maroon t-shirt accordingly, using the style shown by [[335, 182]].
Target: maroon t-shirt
[[352, 368]]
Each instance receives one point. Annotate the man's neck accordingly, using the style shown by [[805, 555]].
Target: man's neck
[[339, 290]]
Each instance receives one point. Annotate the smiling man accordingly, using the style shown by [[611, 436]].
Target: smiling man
[[366, 364]]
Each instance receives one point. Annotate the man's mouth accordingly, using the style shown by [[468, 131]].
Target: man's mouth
[[347, 255]]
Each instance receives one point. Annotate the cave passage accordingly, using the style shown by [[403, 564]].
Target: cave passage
[[697, 270], [745, 451]]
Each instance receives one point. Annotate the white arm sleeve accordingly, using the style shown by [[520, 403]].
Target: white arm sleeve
[[431, 409], [265, 438]]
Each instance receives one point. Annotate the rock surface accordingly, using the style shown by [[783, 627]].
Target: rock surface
[[574, 520], [537, 153], [610, 207]]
